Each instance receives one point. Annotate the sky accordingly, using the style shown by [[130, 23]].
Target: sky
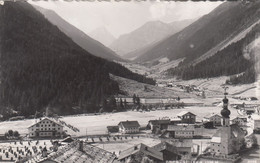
[[123, 17]]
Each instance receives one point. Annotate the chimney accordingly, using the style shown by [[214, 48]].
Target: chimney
[[80, 146]]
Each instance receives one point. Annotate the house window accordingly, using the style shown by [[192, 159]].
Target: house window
[[37, 125]]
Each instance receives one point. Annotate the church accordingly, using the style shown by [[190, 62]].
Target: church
[[229, 138]]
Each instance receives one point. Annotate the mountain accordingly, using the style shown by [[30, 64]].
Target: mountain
[[149, 33], [79, 37], [102, 35], [222, 24], [42, 67], [236, 59]]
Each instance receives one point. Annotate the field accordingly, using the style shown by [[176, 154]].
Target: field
[[96, 124]]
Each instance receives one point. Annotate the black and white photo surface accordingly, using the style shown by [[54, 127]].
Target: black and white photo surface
[[129, 81]]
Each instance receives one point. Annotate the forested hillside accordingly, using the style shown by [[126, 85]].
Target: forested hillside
[[224, 22], [229, 61], [41, 66]]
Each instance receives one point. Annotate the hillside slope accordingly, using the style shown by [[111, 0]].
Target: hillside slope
[[89, 44], [236, 58], [226, 21], [149, 33], [41, 66]]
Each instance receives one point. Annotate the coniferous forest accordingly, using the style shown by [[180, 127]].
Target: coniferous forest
[[42, 67], [229, 61]]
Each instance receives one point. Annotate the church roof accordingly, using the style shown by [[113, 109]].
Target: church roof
[[236, 131]]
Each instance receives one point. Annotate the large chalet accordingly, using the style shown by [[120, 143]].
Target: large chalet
[[46, 127], [128, 127]]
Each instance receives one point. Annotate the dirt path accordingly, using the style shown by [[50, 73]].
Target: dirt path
[[237, 93]]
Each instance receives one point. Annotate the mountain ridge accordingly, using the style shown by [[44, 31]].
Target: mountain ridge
[[78, 36], [149, 33], [206, 32]]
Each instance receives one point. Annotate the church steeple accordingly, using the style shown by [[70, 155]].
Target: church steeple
[[225, 112]]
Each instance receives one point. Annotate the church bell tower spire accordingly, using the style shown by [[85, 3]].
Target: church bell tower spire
[[225, 112]]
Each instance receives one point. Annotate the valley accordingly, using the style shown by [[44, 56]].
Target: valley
[[185, 89]]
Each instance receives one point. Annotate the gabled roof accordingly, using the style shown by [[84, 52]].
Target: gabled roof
[[183, 113], [141, 148], [46, 118], [242, 118], [165, 146], [160, 121], [180, 128], [71, 153], [129, 124], [212, 115], [236, 131]]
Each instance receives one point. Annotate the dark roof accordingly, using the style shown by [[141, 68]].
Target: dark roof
[[180, 128], [165, 146], [129, 124], [68, 140], [183, 113], [160, 121], [141, 148], [181, 143]]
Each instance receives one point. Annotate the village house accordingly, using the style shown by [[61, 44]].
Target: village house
[[137, 152], [169, 151], [214, 118], [187, 117], [183, 147], [46, 128], [160, 124], [240, 121], [181, 131], [129, 127]]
